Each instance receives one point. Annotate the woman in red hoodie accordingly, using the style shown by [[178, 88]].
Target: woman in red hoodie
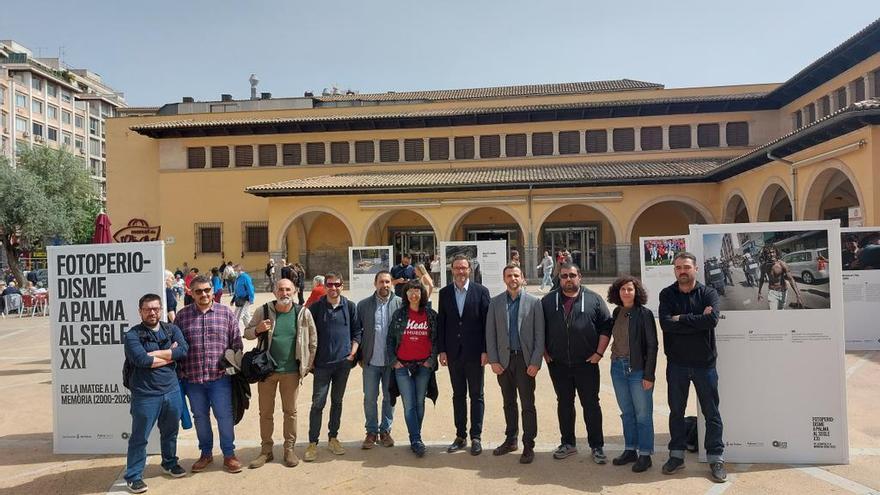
[[412, 341]]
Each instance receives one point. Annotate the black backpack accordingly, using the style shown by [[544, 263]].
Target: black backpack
[[145, 335], [257, 364]]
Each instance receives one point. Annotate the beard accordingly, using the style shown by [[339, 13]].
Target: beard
[[286, 301]]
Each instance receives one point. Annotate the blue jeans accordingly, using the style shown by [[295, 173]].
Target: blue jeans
[[324, 376], [373, 375], [636, 406], [146, 411], [413, 386], [548, 279], [216, 396], [706, 382]]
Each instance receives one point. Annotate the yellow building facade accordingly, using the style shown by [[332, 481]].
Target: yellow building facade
[[588, 167]]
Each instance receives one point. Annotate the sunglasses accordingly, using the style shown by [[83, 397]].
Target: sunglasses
[[568, 275], [333, 284], [202, 291]]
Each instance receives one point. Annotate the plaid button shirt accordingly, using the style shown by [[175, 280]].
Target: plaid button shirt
[[208, 334]]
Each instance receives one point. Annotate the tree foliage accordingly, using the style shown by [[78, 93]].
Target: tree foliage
[[47, 195]]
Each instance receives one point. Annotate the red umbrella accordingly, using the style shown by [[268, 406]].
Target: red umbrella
[[102, 229]]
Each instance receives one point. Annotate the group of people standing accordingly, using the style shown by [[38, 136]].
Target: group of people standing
[[400, 342]]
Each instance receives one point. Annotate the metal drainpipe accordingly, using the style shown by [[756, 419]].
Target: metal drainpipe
[[794, 184]]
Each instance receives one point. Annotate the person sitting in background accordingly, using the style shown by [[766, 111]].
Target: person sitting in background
[[10, 289], [318, 290]]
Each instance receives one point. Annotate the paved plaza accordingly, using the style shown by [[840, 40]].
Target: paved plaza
[[27, 464]]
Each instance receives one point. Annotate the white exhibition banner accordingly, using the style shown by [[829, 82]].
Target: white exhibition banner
[[364, 263], [95, 290], [861, 287], [488, 259], [780, 344], [656, 258]]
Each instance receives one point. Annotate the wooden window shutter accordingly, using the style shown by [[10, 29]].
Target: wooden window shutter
[[244, 156], [195, 158]]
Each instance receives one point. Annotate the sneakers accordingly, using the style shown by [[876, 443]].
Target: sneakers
[[418, 449], [369, 441], [311, 452], [335, 447], [202, 463], [598, 455], [385, 438], [505, 448], [290, 458], [459, 444], [625, 458], [232, 464], [642, 464], [175, 471], [527, 456], [136, 486], [672, 465], [564, 450], [260, 461], [719, 474]]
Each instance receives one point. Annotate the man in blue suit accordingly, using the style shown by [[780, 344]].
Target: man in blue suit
[[462, 343]]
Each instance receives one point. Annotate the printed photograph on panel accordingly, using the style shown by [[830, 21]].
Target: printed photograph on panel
[[860, 250], [662, 251]]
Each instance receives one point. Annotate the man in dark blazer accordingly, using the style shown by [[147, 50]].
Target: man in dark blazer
[[515, 345], [462, 344]]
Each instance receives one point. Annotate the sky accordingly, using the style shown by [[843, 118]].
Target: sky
[[159, 51]]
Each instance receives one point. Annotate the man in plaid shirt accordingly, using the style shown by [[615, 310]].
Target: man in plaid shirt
[[210, 329]]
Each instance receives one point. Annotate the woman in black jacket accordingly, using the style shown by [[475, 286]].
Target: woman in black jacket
[[633, 361], [412, 344]]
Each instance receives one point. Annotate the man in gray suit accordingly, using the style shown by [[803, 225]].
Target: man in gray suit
[[515, 345], [375, 313]]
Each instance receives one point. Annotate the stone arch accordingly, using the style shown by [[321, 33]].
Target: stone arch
[[379, 230], [282, 233], [836, 178], [690, 202], [465, 212], [609, 216], [771, 207], [315, 240], [588, 231], [736, 209]]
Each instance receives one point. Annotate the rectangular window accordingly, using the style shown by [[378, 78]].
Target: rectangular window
[[21, 124], [797, 120], [244, 156], [255, 237], [810, 112], [679, 136], [95, 147], [52, 112], [65, 96], [195, 158], [65, 117], [219, 156], [36, 83], [737, 133], [209, 238], [52, 134], [291, 154], [268, 155], [439, 148], [858, 87], [78, 121], [315, 153], [464, 148], [597, 141], [94, 126], [389, 150], [65, 138], [624, 139], [515, 145], [364, 152], [38, 129], [78, 143], [569, 142], [651, 138], [840, 96], [37, 106], [708, 135], [52, 90], [339, 152], [876, 78], [413, 150], [20, 100], [490, 146], [825, 106], [542, 143]]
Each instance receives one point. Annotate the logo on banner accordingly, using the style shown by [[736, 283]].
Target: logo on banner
[[780, 445], [137, 230]]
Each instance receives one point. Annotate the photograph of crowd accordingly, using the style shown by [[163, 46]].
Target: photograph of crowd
[[768, 270], [860, 250], [663, 251]]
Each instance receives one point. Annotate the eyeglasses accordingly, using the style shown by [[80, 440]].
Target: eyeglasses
[[202, 291], [568, 275], [151, 310], [333, 284]]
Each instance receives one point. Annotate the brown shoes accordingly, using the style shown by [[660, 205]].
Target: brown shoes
[[385, 439], [202, 463], [261, 461], [290, 458], [369, 441], [232, 464]]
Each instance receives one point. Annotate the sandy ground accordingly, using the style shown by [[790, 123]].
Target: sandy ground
[[27, 464]]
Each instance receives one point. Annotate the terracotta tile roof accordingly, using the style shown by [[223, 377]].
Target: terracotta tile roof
[[499, 91], [338, 117], [492, 177]]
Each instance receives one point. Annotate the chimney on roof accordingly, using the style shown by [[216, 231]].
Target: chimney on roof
[[308, 94], [254, 81], [188, 99], [225, 97], [265, 96]]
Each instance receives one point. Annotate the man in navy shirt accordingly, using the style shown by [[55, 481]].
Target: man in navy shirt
[[401, 274]]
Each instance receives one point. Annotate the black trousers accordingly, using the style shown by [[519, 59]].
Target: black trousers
[[515, 381], [583, 379], [467, 381]]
